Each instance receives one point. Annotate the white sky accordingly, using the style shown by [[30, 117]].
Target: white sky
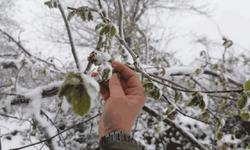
[[231, 16]]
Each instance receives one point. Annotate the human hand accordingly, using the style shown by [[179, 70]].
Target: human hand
[[124, 98]]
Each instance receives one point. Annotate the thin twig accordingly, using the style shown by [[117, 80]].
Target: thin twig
[[69, 35], [171, 82], [127, 47], [191, 91]]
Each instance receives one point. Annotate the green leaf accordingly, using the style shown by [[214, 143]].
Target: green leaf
[[113, 31], [243, 101], [163, 72], [170, 109], [202, 104], [105, 30], [154, 60], [245, 116], [206, 116], [234, 129], [48, 3], [215, 66], [232, 137], [247, 85], [177, 96], [51, 4], [198, 71], [76, 93], [152, 90], [219, 135], [80, 100], [97, 27], [55, 5], [148, 86], [71, 15], [82, 15], [101, 44], [192, 102], [202, 53], [195, 100], [90, 16]]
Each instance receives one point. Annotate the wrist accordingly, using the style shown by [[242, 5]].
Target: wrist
[[117, 136], [106, 132]]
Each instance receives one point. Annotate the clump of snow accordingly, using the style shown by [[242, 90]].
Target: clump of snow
[[98, 57], [227, 138], [92, 87], [6, 103], [105, 66], [65, 105], [17, 62]]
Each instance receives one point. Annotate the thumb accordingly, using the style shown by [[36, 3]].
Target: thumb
[[115, 87]]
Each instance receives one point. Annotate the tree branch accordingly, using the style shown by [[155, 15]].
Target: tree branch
[[127, 47], [69, 35]]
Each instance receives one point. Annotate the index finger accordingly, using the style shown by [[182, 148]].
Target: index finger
[[129, 75]]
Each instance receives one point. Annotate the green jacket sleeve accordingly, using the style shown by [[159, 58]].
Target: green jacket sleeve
[[120, 145]]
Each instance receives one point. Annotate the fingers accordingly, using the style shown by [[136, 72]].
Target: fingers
[[104, 90], [94, 74], [123, 69], [130, 76], [115, 87]]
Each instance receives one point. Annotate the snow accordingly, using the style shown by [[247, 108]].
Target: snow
[[101, 57], [17, 62], [227, 138], [105, 65], [6, 103], [93, 88], [65, 105]]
